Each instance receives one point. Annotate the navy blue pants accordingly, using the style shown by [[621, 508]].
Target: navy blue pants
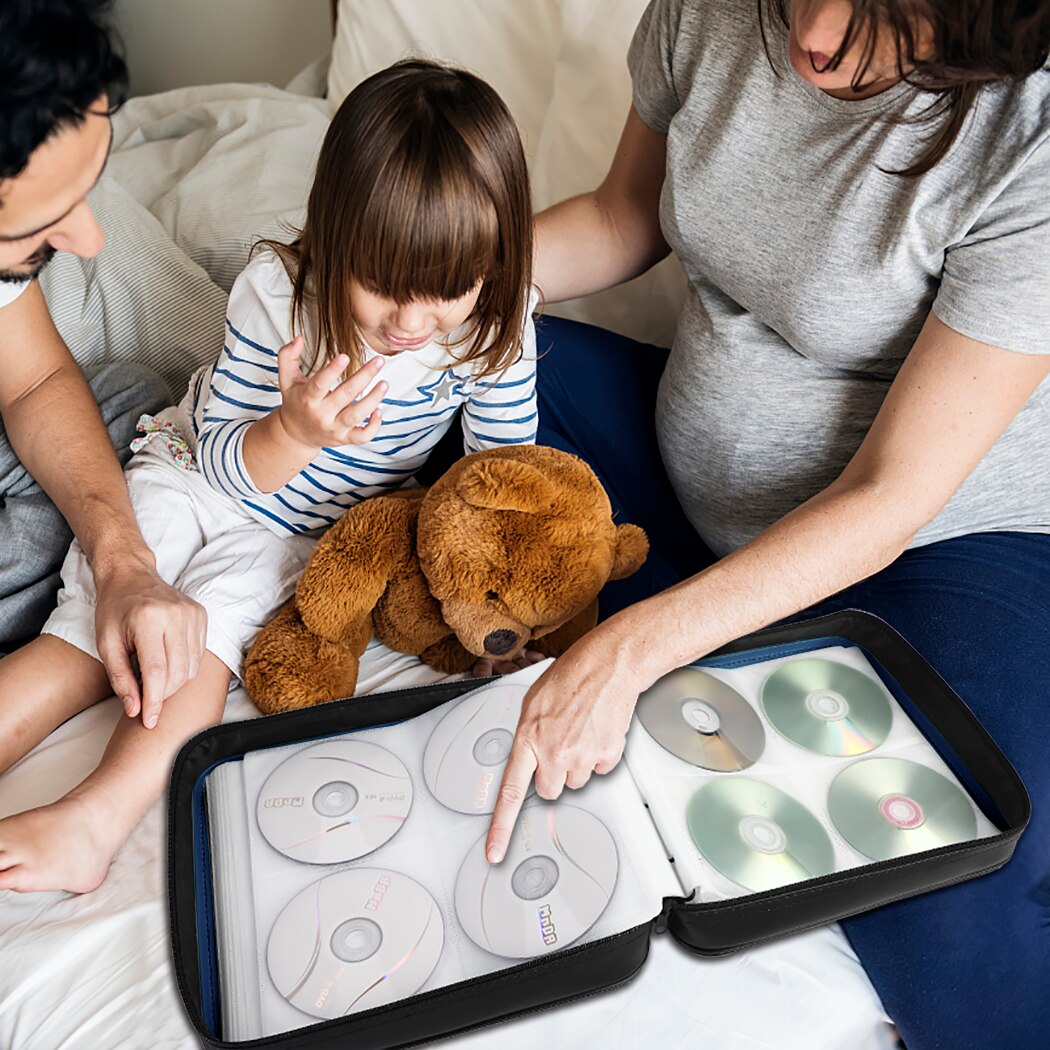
[[963, 967]]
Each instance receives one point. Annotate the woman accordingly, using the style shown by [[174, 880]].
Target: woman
[[854, 406]]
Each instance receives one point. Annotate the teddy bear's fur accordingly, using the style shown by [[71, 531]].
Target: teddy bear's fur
[[508, 549]]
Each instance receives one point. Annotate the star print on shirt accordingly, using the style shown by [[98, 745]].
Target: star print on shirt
[[444, 388]]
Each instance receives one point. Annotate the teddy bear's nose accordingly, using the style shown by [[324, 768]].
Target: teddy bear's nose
[[499, 642]]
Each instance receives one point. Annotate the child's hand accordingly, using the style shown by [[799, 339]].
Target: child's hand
[[315, 415]]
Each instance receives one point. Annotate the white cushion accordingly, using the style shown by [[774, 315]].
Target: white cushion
[[590, 102], [511, 44], [140, 299]]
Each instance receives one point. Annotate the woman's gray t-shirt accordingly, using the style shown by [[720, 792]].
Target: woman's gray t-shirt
[[811, 271]]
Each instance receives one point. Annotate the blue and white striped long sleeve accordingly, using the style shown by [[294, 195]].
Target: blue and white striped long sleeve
[[241, 386], [501, 409]]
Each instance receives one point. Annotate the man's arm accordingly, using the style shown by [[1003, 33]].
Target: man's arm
[[55, 428]]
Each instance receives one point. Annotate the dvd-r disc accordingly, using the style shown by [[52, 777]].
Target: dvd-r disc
[[354, 940], [468, 750], [890, 807], [827, 707], [701, 720], [757, 835], [334, 801], [554, 882]]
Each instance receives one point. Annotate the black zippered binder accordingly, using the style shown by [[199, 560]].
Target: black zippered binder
[[709, 928]]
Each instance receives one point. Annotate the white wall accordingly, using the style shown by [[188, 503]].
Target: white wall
[[174, 43]]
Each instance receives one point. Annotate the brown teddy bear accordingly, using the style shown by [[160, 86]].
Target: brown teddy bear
[[508, 549]]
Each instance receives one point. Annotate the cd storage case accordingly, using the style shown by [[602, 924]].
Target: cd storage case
[[709, 928]]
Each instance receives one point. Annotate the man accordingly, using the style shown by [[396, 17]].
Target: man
[[57, 461]]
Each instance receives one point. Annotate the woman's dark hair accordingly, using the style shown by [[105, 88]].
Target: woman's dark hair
[[971, 43], [57, 57], [421, 191]]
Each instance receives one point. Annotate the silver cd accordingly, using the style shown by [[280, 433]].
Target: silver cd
[[465, 757], [757, 835], [334, 801], [354, 940], [890, 807], [554, 882], [827, 707], [702, 720]]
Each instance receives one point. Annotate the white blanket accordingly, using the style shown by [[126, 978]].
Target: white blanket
[[205, 171]]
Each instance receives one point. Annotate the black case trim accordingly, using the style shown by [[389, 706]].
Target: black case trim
[[713, 928]]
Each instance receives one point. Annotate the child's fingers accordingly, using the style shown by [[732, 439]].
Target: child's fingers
[[354, 414], [288, 363], [362, 435], [351, 388], [327, 377]]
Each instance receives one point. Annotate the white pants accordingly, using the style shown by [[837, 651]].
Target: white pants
[[206, 545]]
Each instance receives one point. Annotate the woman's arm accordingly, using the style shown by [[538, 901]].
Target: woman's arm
[[951, 400], [611, 234]]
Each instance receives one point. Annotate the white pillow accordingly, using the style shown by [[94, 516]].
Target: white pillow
[[589, 104], [219, 166], [511, 44], [140, 299]]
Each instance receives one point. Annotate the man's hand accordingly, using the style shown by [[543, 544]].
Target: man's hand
[[138, 616]]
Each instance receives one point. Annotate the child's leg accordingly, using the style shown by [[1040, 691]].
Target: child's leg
[[43, 685], [69, 844]]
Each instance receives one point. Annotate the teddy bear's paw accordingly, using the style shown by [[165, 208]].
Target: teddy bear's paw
[[289, 667]]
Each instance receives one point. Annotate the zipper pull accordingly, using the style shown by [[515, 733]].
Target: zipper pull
[[660, 922]]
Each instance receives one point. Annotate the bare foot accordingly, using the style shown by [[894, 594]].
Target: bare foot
[[65, 846]]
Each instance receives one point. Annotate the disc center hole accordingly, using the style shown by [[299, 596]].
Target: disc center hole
[[827, 704], [493, 747], [356, 940], [762, 834], [335, 798], [901, 811], [701, 716], [534, 877]]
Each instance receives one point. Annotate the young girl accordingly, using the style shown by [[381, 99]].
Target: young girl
[[405, 298]]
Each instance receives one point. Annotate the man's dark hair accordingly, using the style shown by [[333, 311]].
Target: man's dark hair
[[56, 58]]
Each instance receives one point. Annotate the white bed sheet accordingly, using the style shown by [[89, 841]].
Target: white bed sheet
[[93, 972]]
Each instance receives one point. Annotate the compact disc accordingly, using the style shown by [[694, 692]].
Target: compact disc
[[467, 752], [890, 807], [827, 707], [757, 835], [702, 720], [555, 880], [334, 801], [354, 940]]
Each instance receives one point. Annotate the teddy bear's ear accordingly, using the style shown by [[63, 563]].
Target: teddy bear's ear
[[632, 546], [506, 484]]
